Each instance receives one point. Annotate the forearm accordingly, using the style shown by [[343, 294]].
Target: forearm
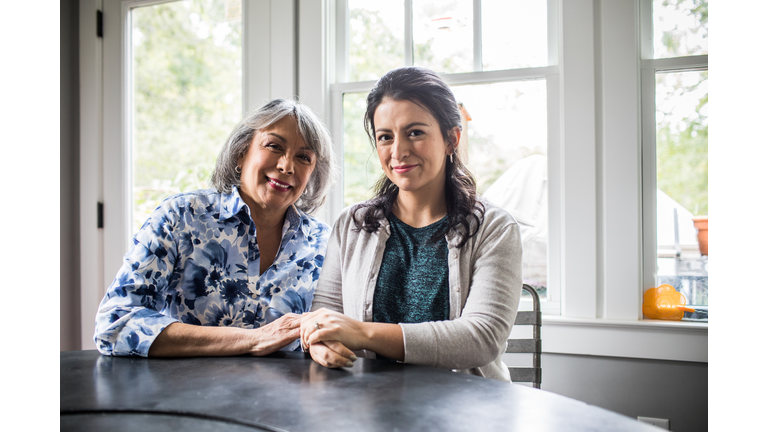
[[384, 339], [186, 340]]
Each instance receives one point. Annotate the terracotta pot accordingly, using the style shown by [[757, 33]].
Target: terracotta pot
[[702, 224]]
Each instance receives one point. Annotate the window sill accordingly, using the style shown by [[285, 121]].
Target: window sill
[[645, 339]]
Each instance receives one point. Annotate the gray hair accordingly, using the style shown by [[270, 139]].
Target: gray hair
[[311, 129]]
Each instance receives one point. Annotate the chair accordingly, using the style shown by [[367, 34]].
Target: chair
[[533, 345]]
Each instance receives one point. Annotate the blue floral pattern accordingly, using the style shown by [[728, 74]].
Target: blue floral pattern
[[196, 261]]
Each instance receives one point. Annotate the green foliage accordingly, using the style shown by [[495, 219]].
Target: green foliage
[[673, 40], [186, 96], [374, 49], [361, 163], [682, 154]]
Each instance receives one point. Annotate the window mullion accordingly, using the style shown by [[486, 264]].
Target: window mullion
[[408, 28], [648, 104], [477, 36], [341, 44]]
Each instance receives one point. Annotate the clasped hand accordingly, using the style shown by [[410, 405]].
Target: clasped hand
[[331, 336]]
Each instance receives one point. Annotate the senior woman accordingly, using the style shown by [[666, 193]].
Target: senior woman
[[423, 273], [229, 270]]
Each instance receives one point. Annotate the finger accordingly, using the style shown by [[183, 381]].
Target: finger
[[309, 316], [340, 349], [308, 327], [293, 334], [328, 357], [306, 330], [322, 335]]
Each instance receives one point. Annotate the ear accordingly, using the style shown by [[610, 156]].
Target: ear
[[454, 135]]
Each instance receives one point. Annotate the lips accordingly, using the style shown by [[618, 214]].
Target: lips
[[277, 184], [401, 169]]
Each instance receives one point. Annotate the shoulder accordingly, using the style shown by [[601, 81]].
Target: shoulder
[[497, 223], [177, 207], [355, 214], [496, 215], [196, 198]]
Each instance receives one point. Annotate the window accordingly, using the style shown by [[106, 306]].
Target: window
[[675, 125], [499, 57], [186, 95]]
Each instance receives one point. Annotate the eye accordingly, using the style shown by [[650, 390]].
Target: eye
[[272, 146], [305, 158], [383, 137], [415, 133]]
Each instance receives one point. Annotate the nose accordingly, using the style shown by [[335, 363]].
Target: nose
[[285, 164], [400, 148]]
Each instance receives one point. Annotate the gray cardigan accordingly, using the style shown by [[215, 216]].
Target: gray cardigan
[[485, 282]]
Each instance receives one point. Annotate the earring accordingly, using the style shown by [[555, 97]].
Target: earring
[[450, 157], [238, 170]]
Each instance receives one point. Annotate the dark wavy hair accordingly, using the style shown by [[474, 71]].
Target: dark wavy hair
[[426, 89]]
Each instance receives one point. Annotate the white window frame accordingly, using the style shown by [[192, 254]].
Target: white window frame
[[649, 66]]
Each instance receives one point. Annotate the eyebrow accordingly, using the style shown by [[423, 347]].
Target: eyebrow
[[278, 137], [283, 140], [408, 126]]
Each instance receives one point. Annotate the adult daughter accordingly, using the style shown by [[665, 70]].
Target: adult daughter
[[425, 272]]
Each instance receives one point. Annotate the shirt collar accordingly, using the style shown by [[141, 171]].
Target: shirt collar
[[297, 219], [232, 204]]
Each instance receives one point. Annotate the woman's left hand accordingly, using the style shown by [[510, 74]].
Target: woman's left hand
[[327, 325]]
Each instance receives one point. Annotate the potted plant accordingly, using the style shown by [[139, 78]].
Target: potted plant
[[701, 224]]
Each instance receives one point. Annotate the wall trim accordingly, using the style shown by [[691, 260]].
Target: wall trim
[[645, 339]]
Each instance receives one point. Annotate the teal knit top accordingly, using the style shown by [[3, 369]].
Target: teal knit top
[[413, 280]]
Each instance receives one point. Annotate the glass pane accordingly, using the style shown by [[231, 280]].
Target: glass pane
[[376, 38], [682, 184], [514, 34], [680, 28], [361, 163], [442, 35], [186, 97], [505, 143]]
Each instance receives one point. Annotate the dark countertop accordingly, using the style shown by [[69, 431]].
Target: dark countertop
[[288, 391]]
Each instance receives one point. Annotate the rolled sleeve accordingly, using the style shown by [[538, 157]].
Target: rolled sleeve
[[129, 317]]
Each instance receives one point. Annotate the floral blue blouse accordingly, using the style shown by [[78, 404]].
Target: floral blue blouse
[[196, 261]]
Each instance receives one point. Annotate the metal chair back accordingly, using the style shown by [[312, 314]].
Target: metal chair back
[[533, 345]]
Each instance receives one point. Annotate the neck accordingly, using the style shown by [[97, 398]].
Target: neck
[[266, 219], [420, 209]]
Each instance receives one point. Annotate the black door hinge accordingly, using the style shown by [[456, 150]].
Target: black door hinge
[[100, 215], [99, 24]]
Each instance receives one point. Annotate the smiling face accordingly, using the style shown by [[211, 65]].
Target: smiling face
[[276, 168], [411, 148]]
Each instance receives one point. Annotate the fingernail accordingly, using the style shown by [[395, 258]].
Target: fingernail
[[350, 364], [353, 357]]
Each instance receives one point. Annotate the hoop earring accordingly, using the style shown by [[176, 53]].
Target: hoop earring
[[238, 170]]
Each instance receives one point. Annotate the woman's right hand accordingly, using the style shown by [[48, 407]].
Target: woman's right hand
[[332, 354], [276, 335]]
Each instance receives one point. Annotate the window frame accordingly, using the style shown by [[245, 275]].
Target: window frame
[[649, 67]]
